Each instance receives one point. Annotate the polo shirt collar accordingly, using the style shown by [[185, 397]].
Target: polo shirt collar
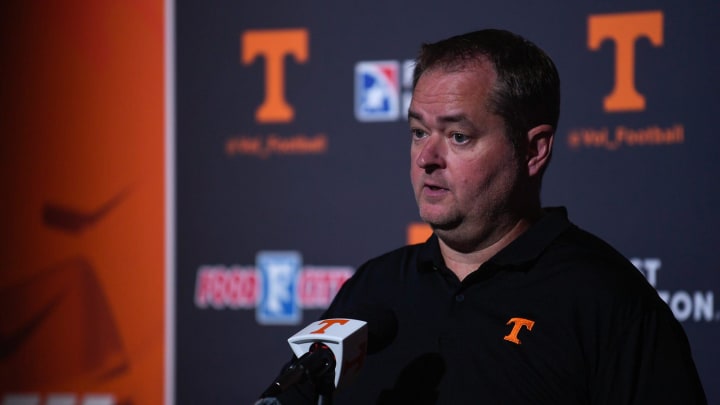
[[526, 248]]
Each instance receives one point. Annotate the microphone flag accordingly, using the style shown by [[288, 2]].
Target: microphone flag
[[346, 338]]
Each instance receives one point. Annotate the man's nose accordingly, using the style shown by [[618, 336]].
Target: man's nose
[[432, 154]]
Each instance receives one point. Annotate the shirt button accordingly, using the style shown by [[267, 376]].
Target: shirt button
[[460, 298]]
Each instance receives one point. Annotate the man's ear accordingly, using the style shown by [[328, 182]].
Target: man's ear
[[540, 142]]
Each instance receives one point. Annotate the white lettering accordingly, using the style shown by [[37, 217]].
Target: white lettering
[[61, 399], [280, 282], [21, 399], [704, 306], [649, 268], [58, 399], [701, 305], [681, 305]]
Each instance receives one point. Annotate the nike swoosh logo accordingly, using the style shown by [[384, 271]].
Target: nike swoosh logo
[[72, 220]]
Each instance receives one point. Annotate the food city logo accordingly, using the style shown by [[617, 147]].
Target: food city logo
[[279, 287], [695, 306], [274, 47], [383, 90], [624, 30]]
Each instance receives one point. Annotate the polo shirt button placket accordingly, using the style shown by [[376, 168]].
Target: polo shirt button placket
[[459, 297]]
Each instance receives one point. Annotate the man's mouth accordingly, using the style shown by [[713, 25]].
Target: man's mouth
[[434, 189]]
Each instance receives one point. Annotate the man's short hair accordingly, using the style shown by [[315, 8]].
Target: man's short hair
[[527, 91]]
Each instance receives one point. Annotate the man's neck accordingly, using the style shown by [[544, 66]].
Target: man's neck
[[462, 263]]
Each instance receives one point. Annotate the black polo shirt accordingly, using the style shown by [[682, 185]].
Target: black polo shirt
[[557, 317]]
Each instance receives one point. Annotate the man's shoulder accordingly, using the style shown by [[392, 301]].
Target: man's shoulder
[[394, 261], [596, 270], [379, 280], [576, 246]]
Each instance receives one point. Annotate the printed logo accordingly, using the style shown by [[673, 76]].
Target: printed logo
[[279, 273], [278, 287], [624, 29], [274, 46], [377, 91], [518, 324], [696, 306], [326, 323], [377, 94]]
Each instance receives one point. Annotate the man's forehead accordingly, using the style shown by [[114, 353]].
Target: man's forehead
[[480, 64]]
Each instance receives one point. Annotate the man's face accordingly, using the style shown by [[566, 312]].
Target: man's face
[[464, 170]]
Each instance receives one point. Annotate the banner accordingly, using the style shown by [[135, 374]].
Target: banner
[[293, 156], [287, 168], [82, 216]]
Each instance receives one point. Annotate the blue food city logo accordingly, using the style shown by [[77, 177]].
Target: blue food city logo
[[279, 273], [279, 286]]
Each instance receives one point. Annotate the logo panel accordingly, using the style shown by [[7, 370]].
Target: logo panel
[[377, 91], [279, 272], [274, 45], [624, 29], [278, 287]]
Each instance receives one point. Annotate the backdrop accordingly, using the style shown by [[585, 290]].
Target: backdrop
[[187, 184], [293, 153]]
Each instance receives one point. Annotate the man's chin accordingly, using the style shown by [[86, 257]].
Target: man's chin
[[440, 224]]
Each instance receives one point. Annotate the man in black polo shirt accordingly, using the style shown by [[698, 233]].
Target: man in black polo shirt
[[507, 302]]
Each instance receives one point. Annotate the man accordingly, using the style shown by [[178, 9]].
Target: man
[[507, 302]]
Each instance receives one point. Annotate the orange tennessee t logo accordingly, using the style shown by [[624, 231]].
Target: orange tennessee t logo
[[625, 29], [328, 323], [518, 323], [274, 45]]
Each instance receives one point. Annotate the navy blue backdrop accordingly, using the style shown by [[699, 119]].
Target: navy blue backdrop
[[292, 159]]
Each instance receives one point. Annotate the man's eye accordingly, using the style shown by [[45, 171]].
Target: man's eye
[[417, 133], [459, 138]]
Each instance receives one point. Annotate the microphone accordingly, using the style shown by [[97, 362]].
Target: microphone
[[336, 345]]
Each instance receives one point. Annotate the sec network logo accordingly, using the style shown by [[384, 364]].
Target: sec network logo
[[377, 90]]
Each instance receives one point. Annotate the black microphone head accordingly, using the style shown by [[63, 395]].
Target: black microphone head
[[381, 322]]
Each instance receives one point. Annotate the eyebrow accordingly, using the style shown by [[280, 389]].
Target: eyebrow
[[456, 118]]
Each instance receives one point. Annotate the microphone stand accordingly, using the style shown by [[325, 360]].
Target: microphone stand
[[324, 384], [324, 399], [325, 389], [318, 366]]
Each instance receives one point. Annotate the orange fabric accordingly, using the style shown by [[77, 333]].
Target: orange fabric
[[418, 232], [82, 199]]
